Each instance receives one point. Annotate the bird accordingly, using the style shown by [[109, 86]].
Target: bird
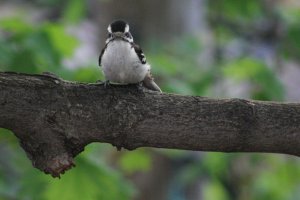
[[122, 60]]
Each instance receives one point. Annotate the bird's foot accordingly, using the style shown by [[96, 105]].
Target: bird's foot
[[140, 87], [106, 84]]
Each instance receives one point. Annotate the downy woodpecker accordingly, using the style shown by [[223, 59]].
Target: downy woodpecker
[[122, 60]]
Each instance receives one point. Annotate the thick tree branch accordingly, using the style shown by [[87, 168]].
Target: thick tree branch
[[55, 119]]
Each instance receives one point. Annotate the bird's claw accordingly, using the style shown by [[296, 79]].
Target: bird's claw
[[106, 84], [140, 87]]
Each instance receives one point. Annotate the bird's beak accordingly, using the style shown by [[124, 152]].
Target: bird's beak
[[118, 35]]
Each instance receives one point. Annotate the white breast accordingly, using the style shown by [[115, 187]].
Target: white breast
[[121, 64]]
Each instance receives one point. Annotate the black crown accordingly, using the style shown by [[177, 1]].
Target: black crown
[[118, 26]]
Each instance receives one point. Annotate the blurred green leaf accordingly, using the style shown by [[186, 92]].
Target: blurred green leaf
[[75, 11], [88, 181], [132, 161], [33, 184], [290, 14], [190, 174], [290, 44], [87, 74], [34, 48], [63, 42], [163, 64], [238, 10], [215, 190], [280, 180], [216, 164], [255, 71], [179, 86], [177, 63], [15, 25], [172, 153]]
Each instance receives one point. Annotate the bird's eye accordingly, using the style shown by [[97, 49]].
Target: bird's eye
[[109, 35], [128, 35]]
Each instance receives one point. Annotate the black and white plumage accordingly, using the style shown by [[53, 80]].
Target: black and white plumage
[[122, 60]]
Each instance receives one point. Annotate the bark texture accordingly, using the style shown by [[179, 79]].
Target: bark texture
[[55, 119]]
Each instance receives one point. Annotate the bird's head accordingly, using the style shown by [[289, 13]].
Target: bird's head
[[119, 29]]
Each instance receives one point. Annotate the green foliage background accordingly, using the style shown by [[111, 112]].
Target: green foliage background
[[101, 173]]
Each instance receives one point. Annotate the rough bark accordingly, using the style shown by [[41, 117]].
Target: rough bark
[[55, 119]]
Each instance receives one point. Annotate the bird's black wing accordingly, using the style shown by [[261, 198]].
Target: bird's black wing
[[139, 52], [101, 54]]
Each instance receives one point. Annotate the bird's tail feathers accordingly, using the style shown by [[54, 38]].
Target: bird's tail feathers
[[149, 83]]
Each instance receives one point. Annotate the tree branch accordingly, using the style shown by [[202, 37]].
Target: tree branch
[[55, 119]]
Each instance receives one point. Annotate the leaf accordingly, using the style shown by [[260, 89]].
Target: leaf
[[34, 49], [63, 42], [290, 44], [180, 87], [216, 164], [290, 14], [280, 180], [138, 160], [7, 136], [215, 190], [33, 183], [88, 181], [163, 64], [255, 71], [15, 25], [87, 74], [239, 10], [75, 11]]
